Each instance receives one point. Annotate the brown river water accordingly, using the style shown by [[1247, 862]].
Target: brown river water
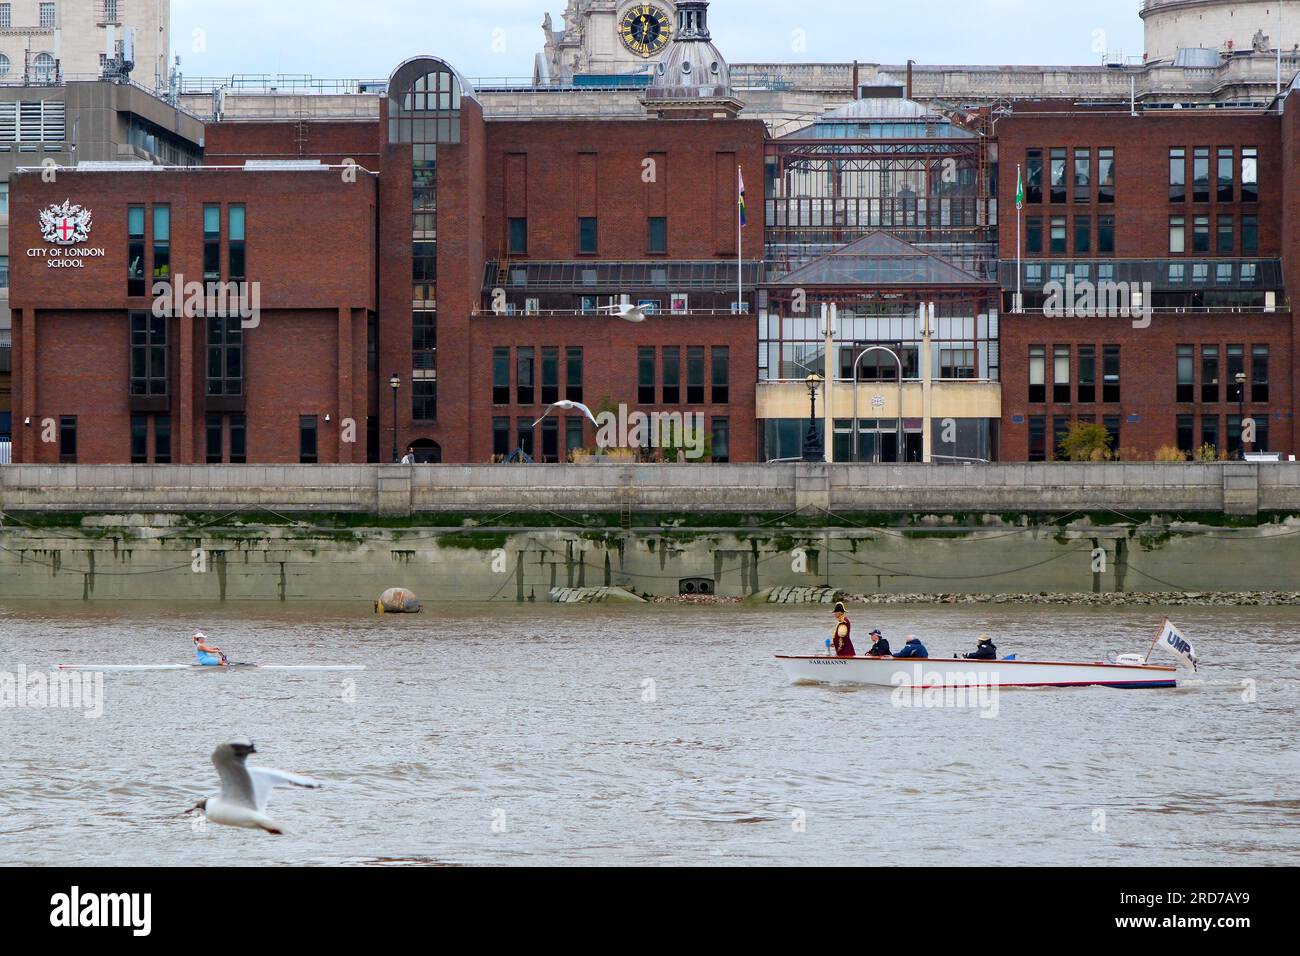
[[659, 734]]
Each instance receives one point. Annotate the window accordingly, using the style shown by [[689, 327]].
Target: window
[[110, 11], [1083, 175], [424, 342], [501, 376], [573, 373], [1210, 431], [524, 376], [1236, 367], [1037, 438], [721, 440], [1034, 175], [6, 15], [1034, 236], [148, 354], [672, 375], [307, 439], [587, 235], [1261, 432], [1200, 234], [212, 243], [139, 439], [1223, 243], [1110, 374], [1037, 373], [1060, 429], [1106, 235], [1057, 238], [695, 375], [238, 440], [162, 226], [1177, 234], [1201, 174], [1186, 389], [1112, 423], [135, 250], [1057, 192], [518, 237], [1082, 235], [1106, 175], [501, 439], [1061, 374], [1223, 175], [1177, 174], [1210, 373], [550, 440], [68, 439], [238, 264], [524, 436], [424, 399], [573, 435], [1259, 373], [1249, 235], [212, 432], [1249, 174], [1186, 434], [1235, 446], [424, 265], [4, 195], [162, 439], [721, 375], [645, 375], [4, 272], [225, 355], [550, 375], [956, 363], [657, 240], [1087, 374], [47, 15]]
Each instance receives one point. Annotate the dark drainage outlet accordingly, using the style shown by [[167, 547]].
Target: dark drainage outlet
[[695, 586]]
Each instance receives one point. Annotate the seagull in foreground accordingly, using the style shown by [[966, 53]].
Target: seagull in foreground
[[566, 404], [626, 311], [245, 789]]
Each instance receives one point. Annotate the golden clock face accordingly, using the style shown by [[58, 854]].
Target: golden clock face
[[645, 29]]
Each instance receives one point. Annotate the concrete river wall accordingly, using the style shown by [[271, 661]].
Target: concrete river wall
[[505, 533]]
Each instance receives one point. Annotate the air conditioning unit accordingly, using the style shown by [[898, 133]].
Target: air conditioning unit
[[1270, 301]]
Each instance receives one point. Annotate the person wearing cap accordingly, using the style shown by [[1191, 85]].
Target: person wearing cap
[[208, 655], [985, 650], [881, 646], [842, 642], [913, 648]]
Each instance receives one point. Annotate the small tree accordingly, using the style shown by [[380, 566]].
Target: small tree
[[1170, 453], [1086, 441]]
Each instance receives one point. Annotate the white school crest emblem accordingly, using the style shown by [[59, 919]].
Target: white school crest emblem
[[65, 225]]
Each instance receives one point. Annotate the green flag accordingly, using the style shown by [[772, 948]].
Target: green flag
[[1020, 189]]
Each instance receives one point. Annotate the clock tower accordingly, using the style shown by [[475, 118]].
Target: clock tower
[[606, 38]]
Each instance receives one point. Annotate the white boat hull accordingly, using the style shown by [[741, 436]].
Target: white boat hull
[[211, 667], [951, 672]]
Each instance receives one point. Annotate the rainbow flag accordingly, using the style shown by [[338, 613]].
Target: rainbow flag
[[743, 220]]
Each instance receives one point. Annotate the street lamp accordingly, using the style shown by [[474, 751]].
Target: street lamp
[[1241, 411], [395, 382], [812, 447]]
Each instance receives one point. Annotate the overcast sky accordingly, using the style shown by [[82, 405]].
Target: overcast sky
[[498, 38]]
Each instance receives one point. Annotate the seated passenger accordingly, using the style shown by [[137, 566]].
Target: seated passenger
[[913, 648], [881, 647], [985, 650]]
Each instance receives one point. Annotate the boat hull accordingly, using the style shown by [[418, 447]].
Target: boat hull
[[952, 672], [211, 667]]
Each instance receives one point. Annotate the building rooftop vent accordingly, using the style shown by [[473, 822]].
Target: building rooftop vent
[[267, 165]]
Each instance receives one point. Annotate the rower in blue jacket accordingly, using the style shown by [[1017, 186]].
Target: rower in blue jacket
[[913, 648]]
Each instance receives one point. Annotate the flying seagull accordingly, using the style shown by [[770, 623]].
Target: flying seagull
[[245, 789], [566, 404], [626, 311]]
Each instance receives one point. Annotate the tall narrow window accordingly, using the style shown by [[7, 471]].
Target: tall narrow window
[[1177, 234], [307, 439], [524, 436], [524, 376], [68, 439], [721, 440], [1200, 234], [211, 243], [501, 376], [1083, 175], [1223, 175], [721, 375], [424, 399], [424, 343], [1106, 235], [1186, 389], [657, 239], [1201, 174], [645, 375], [1235, 372], [587, 235], [695, 375], [573, 435], [573, 373], [46, 14], [238, 439], [213, 439], [225, 355], [500, 439], [1061, 374], [1057, 184], [550, 375], [672, 375], [162, 439], [1112, 423], [139, 439], [135, 250], [1057, 237], [1250, 235], [238, 257], [1110, 374], [148, 354], [1223, 242], [1249, 174], [550, 440], [1106, 175], [1060, 429], [1034, 175], [162, 234], [1259, 373], [1082, 235], [1037, 438], [518, 236], [1210, 374], [1037, 373], [1186, 434], [1210, 431], [1087, 388], [1034, 236], [1177, 174]]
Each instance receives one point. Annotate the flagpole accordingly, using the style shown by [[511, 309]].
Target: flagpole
[[740, 290], [1019, 307], [1154, 639]]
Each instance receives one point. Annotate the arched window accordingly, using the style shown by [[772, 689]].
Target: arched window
[[4, 65], [43, 67]]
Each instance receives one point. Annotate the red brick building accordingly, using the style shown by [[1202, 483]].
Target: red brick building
[[1192, 206]]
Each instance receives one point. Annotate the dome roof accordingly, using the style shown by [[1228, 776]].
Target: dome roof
[[693, 69]]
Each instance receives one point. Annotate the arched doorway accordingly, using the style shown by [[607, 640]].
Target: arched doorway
[[427, 451]]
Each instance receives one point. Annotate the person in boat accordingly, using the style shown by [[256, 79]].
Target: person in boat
[[843, 643], [913, 648], [985, 650], [881, 646], [209, 655]]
